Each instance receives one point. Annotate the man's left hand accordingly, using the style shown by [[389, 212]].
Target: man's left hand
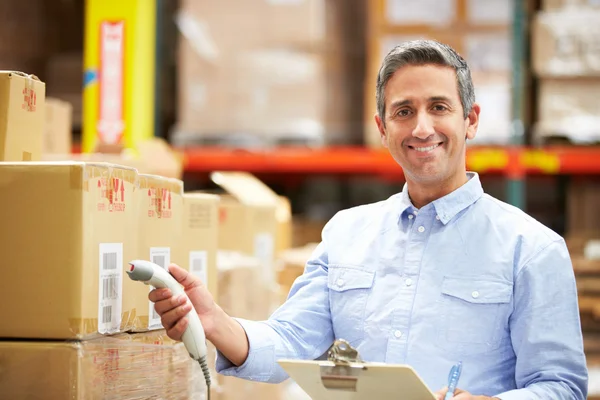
[[461, 395]]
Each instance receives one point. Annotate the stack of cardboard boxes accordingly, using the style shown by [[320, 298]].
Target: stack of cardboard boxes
[[480, 30], [70, 228], [566, 59], [258, 71]]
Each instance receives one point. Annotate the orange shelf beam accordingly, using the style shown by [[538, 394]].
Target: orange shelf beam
[[513, 161]]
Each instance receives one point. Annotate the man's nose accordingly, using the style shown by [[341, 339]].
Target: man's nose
[[424, 127]]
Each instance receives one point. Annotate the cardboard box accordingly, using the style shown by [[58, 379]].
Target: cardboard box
[[57, 130], [566, 43], [568, 108], [297, 23], [153, 157], [248, 218], [67, 236], [276, 103], [159, 204], [283, 214], [292, 63], [22, 115], [290, 265], [553, 5], [123, 366], [197, 251], [583, 215]]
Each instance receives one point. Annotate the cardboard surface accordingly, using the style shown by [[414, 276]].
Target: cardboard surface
[[159, 205], [123, 366], [199, 238], [565, 43], [569, 4], [248, 219], [57, 128], [66, 238], [22, 116], [568, 108]]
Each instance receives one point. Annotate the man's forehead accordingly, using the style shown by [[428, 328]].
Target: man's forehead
[[422, 82]]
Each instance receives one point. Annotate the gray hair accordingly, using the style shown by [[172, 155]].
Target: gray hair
[[425, 52]]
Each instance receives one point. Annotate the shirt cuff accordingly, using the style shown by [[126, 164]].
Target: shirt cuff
[[261, 355]]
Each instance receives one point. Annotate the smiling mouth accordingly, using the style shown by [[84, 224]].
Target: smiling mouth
[[425, 149]]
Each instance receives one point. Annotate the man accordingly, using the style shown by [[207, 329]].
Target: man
[[437, 274]]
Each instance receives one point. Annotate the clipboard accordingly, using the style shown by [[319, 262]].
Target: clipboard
[[344, 376]]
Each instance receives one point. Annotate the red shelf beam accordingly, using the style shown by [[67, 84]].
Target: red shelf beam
[[512, 161]]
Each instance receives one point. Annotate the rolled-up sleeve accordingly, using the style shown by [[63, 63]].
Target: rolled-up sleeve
[[300, 329], [546, 330]]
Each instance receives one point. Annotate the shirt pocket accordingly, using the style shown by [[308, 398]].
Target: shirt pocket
[[349, 290], [473, 315]]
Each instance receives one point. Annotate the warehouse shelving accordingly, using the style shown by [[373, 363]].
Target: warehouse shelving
[[511, 161]]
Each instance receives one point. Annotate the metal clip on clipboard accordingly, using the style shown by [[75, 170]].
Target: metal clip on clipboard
[[345, 376], [347, 369]]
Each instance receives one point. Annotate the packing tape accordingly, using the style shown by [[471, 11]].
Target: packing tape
[[84, 328]]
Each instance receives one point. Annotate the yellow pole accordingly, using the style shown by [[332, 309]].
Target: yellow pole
[[119, 68]]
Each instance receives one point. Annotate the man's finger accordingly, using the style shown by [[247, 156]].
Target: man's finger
[[177, 331], [164, 306], [171, 317], [439, 395], [182, 276], [159, 294], [462, 396]]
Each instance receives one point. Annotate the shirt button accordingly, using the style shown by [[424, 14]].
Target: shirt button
[[437, 217], [421, 229], [475, 294], [340, 282], [408, 281], [397, 334], [410, 216]]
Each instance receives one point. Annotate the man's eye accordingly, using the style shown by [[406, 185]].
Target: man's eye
[[403, 113], [439, 107]]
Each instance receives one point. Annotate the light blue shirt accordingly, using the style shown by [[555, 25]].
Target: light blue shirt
[[467, 277]]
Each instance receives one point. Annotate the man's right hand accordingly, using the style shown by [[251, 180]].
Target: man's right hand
[[172, 309], [220, 329]]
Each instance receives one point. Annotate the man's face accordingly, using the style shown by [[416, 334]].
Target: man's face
[[425, 130]]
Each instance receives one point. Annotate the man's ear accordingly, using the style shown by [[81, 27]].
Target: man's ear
[[473, 121], [381, 128]]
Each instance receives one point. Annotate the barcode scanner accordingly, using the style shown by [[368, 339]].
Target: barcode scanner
[[193, 337]]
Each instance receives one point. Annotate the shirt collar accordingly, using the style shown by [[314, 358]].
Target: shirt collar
[[449, 206]]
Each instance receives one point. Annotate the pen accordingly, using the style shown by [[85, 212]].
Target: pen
[[453, 377]]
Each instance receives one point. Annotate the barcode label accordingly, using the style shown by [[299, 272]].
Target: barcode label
[[198, 265], [109, 261], [106, 314], [160, 256], [160, 260], [110, 290], [109, 287]]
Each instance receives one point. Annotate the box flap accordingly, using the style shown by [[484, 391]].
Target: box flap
[[246, 188]]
